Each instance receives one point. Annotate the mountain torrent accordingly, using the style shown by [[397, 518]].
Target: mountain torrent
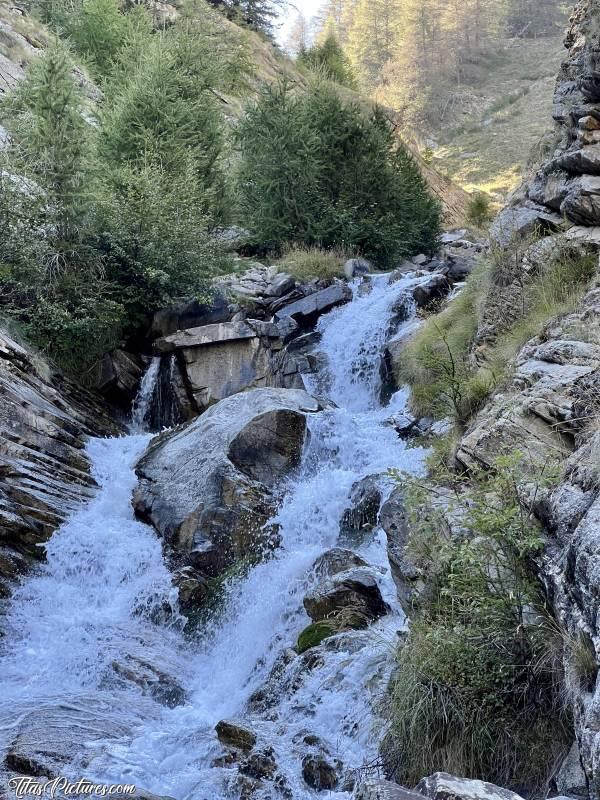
[[301, 525]]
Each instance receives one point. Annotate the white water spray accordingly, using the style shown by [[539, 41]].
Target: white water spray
[[142, 403]]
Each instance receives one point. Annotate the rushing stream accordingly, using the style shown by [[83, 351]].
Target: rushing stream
[[104, 598]]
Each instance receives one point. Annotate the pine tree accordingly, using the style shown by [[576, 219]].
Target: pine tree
[[297, 42], [167, 109], [530, 18], [256, 14], [98, 32], [315, 171], [337, 18]]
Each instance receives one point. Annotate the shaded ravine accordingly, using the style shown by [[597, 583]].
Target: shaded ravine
[[105, 594]]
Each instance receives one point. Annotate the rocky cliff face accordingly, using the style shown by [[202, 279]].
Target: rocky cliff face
[[44, 422], [549, 409]]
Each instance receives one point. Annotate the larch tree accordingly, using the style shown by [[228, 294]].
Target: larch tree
[[374, 37]]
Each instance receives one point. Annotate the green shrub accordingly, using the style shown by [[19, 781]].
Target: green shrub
[[97, 32], [478, 688], [166, 114], [317, 172], [479, 210], [306, 263], [436, 362], [103, 226], [155, 241]]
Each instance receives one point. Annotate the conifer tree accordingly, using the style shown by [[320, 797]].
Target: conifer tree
[[98, 32], [54, 146], [315, 171], [329, 59], [374, 38]]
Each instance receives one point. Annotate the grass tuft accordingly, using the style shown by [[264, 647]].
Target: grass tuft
[[306, 263]]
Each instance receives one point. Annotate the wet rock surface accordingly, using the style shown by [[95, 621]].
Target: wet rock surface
[[236, 735], [354, 592], [219, 360], [442, 786], [208, 487], [320, 773], [44, 422]]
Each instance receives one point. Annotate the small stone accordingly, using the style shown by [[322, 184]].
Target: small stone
[[356, 267], [234, 734], [320, 774]]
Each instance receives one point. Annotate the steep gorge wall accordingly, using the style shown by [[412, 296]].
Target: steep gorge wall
[[44, 471], [549, 409]]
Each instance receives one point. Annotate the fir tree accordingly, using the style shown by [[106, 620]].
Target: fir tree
[[315, 171], [329, 59], [53, 147], [98, 32], [374, 37]]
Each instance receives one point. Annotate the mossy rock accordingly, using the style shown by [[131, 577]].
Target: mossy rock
[[314, 634]]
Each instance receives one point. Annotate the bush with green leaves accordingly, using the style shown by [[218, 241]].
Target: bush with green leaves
[[478, 689], [315, 171], [103, 225], [329, 59], [155, 238], [479, 211]]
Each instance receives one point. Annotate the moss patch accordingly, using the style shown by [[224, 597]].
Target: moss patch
[[314, 634]]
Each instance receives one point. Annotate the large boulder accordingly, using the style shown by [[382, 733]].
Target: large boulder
[[208, 487], [216, 361], [192, 314], [361, 515], [119, 376], [45, 473], [581, 203], [442, 786], [354, 593], [307, 310], [521, 221], [382, 790], [579, 160], [50, 737], [407, 576], [436, 287]]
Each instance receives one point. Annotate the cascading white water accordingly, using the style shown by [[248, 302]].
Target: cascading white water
[[143, 401], [94, 601]]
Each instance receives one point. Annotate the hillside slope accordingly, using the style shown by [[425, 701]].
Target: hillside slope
[[487, 143], [22, 37]]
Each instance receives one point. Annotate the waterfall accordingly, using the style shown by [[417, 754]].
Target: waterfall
[[143, 402], [96, 599]]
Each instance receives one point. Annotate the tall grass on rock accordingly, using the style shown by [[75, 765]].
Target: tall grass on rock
[[479, 688], [460, 355], [316, 171]]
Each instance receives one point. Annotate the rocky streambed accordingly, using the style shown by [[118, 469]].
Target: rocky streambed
[[230, 633]]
